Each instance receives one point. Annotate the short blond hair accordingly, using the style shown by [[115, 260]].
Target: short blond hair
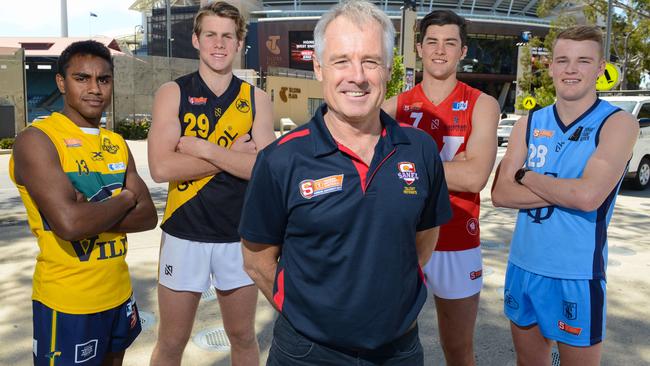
[[583, 33], [224, 10]]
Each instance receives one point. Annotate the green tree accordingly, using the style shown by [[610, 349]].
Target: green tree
[[395, 84], [535, 80], [630, 35]]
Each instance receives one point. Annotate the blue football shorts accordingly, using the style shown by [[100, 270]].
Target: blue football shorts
[[568, 311], [69, 339]]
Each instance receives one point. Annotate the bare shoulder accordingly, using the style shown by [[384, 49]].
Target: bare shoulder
[[620, 124], [261, 96], [390, 106], [486, 102], [33, 149], [168, 91]]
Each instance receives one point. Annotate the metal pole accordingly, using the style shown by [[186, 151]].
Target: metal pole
[[169, 27], [64, 18], [608, 36]]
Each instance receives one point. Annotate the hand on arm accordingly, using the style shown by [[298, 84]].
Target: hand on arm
[[470, 171], [603, 171], [505, 191], [261, 263], [165, 163], [240, 158], [37, 167], [425, 244], [143, 216]]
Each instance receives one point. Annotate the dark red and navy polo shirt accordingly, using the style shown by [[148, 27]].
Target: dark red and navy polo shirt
[[348, 274]]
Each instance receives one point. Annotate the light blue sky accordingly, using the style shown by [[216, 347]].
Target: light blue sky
[[41, 18]]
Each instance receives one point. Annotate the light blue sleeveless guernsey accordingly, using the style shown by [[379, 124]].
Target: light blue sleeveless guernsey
[[555, 241]]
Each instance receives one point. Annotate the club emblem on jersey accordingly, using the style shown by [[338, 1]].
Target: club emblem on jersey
[[85, 351], [472, 226], [242, 105], [543, 133], [455, 120], [407, 172], [570, 310], [197, 100], [310, 188], [459, 106], [108, 146]]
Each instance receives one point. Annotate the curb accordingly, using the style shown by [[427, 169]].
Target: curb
[[5, 151]]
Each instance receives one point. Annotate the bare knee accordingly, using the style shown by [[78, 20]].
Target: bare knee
[[243, 337], [171, 343]]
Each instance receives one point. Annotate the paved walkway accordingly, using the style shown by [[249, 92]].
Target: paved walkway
[[628, 327]]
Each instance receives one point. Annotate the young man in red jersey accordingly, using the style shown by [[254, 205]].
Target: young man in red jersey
[[463, 122]]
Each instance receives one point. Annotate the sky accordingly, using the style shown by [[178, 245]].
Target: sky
[[42, 18]]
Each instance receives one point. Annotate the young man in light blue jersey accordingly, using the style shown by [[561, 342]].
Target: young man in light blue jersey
[[562, 170]]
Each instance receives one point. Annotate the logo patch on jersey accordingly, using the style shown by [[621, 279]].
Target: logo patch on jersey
[[169, 270], [459, 106], [116, 166], [85, 351], [197, 100], [569, 329], [586, 133], [509, 300], [455, 120], [559, 146], [217, 112], [474, 275], [242, 105], [108, 146], [472, 226], [97, 156], [407, 172], [312, 188], [570, 310], [72, 142], [576, 135], [435, 124], [132, 312], [543, 133], [413, 107]]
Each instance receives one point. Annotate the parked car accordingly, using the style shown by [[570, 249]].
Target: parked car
[[639, 167], [504, 129]]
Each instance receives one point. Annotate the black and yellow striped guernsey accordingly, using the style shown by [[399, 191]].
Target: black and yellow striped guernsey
[[89, 275], [208, 209]]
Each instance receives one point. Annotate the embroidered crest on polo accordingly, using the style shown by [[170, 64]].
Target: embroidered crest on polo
[[407, 172], [310, 188]]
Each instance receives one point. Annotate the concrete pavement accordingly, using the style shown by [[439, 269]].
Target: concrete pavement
[[628, 326]]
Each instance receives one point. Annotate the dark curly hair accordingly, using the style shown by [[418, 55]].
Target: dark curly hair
[[88, 47]]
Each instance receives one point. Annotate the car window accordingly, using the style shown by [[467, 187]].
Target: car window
[[644, 115], [625, 105]]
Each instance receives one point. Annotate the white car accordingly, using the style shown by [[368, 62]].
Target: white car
[[639, 168], [504, 129]]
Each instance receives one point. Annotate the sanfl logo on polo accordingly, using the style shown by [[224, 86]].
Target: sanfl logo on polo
[[407, 172]]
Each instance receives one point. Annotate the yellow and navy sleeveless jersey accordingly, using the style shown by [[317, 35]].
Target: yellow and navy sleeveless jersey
[[89, 275], [208, 209], [555, 241]]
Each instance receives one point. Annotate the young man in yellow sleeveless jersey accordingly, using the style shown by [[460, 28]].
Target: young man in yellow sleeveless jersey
[[82, 193], [207, 128]]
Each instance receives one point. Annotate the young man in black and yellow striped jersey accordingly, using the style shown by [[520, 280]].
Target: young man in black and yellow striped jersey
[[82, 194], [207, 128]]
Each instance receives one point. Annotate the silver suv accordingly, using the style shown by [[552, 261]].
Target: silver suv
[[639, 106]]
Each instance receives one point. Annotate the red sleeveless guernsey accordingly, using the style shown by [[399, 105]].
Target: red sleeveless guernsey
[[450, 124]]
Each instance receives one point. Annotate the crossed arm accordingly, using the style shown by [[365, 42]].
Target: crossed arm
[[603, 171], [172, 157], [469, 171], [67, 212]]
